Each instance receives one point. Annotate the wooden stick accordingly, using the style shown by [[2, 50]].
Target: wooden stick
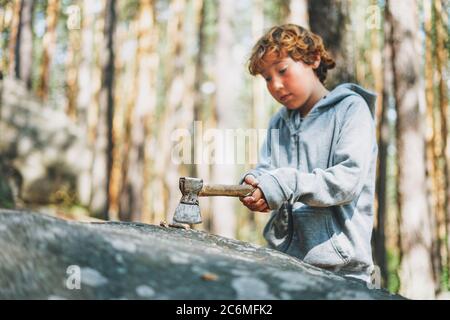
[[226, 190]]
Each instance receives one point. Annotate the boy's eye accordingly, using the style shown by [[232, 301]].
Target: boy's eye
[[268, 79], [282, 70]]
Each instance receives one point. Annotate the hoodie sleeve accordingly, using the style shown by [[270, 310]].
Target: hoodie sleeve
[[337, 185]]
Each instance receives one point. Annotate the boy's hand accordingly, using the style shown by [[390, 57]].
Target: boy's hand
[[255, 202]]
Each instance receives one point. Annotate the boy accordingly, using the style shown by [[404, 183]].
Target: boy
[[319, 177]]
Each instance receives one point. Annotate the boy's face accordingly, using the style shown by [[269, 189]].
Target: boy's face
[[290, 82]]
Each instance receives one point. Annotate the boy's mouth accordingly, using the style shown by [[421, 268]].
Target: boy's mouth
[[285, 97]]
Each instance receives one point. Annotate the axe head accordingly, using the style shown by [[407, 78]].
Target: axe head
[[188, 211]]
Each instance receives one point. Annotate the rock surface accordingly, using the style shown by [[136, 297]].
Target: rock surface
[[43, 257]]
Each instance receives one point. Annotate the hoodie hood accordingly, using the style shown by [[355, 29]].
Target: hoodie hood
[[335, 96]]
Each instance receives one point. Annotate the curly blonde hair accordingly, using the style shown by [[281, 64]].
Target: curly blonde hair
[[294, 41]]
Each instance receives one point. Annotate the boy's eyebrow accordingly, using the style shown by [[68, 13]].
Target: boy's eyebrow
[[279, 61], [275, 63]]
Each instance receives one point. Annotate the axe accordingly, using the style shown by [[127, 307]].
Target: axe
[[188, 210]]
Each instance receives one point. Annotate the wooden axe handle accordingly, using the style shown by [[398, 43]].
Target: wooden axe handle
[[226, 190]]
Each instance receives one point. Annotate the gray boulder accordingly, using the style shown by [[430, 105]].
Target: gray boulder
[[49, 151], [43, 257]]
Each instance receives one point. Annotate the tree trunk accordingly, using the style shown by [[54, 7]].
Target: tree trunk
[[193, 43], [124, 102], [24, 44], [48, 44], [165, 168], [88, 87], [74, 56], [3, 13], [224, 219], [104, 140], [86, 65], [258, 120], [72, 64], [247, 223], [330, 19], [150, 63], [432, 140], [199, 63], [441, 20], [416, 267], [5, 25], [383, 82], [200, 168], [136, 178], [13, 36]]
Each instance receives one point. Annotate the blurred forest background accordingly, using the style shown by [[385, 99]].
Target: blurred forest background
[[94, 93]]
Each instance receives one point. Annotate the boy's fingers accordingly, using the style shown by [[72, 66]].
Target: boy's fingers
[[260, 203], [256, 202], [257, 194], [263, 208], [259, 206], [248, 200], [251, 180]]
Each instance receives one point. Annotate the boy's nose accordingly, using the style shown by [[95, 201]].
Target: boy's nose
[[277, 84]]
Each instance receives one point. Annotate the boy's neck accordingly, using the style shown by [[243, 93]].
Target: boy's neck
[[319, 92]]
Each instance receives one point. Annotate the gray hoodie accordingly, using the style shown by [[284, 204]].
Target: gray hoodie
[[317, 174]]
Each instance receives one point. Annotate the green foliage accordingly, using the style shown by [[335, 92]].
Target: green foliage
[[6, 196], [6, 191], [393, 261], [276, 11], [3, 3], [127, 10], [64, 196], [445, 283]]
